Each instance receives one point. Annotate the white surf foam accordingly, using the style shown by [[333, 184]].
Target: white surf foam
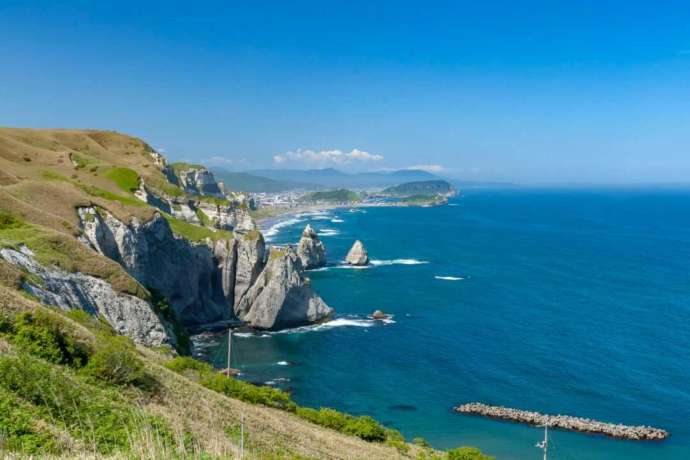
[[321, 269], [338, 322], [449, 278], [352, 267], [244, 335], [337, 220], [398, 262], [282, 363], [274, 229], [328, 232]]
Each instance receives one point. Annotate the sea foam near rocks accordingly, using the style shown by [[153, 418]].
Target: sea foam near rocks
[[398, 262]]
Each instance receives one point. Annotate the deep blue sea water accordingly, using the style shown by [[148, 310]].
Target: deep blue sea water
[[572, 302]]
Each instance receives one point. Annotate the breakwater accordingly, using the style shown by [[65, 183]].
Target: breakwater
[[565, 422]]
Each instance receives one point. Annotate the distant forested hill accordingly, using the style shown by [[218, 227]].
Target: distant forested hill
[[245, 182], [331, 178], [429, 187]]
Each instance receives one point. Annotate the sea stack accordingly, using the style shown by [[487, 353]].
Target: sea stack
[[358, 255], [311, 250]]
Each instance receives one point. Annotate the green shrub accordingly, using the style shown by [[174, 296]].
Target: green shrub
[[43, 334], [162, 307], [421, 442], [86, 412], [247, 392], [366, 428], [8, 221], [18, 432], [6, 324], [115, 361], [467, 453], [180, 364], [363, 427]]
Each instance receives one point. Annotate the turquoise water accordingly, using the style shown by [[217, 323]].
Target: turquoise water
[[573, 302]]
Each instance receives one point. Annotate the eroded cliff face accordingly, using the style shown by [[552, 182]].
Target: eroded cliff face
[[191, 276], [282, 297], [211, 281], [199, 181], [127, 314]]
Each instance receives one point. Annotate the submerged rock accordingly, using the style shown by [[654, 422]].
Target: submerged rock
[[281, 296], [311, 250], [357, 255]]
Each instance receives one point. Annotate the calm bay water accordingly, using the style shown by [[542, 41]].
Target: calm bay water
[[573, 302]]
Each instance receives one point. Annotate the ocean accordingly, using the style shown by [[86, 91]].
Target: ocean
[[561, 301]]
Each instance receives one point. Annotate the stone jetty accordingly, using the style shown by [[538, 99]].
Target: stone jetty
[[565, 422]]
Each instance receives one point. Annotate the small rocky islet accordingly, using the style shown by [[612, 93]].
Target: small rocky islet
[[357, 256]]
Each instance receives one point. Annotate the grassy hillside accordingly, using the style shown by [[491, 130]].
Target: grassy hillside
[[70, 387]]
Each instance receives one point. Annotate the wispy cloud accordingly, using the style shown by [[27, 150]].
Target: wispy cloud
[[428, 168], [326, 157]]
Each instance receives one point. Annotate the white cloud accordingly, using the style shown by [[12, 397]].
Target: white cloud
[[428, 168], [326, 157]]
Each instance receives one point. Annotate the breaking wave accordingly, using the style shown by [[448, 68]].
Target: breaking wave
[[398, 262], [449, 278], [328, 232], [338, 322], [336, 220], [282, 363], [274, 229], [321, 269]]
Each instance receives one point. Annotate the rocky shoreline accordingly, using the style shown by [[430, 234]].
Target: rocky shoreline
[[565, 422]]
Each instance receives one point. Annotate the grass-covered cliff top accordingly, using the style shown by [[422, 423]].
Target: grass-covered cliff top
[[45, 174]]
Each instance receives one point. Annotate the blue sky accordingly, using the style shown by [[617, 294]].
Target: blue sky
[[529, 92]]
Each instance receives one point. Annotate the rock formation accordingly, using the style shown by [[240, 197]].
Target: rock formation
[[281, 296], [209, 281], [251, 258], [127, 314], [198, 181], [191, 276], [357, 255], [311, 250], [379, 314]]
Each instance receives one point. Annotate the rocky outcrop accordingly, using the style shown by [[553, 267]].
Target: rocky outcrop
[[311, 250], [230, 216], [251, 259], [128, 315], [281, 296], [357, 255], [210, 281], [197, 279], [198, 181], [379, 314]]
